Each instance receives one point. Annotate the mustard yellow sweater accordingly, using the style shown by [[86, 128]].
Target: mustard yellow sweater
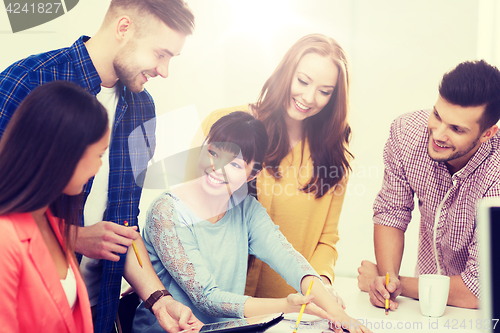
[[309, 224]]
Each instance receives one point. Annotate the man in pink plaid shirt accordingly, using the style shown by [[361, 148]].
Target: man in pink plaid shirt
[[449, 157]]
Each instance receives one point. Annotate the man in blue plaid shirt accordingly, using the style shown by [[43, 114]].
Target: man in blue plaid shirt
[[135, 43]]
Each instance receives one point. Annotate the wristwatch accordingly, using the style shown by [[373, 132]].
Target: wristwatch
[[154, 298]]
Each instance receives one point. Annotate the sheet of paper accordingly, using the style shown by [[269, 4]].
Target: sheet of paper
[[313, 324]]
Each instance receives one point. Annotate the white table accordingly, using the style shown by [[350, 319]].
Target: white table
[[407, 318]]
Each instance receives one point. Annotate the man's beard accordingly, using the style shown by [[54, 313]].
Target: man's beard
[[127, 76], [454, 155]]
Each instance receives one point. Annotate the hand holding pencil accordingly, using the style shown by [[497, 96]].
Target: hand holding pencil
[[135, 248], [387, 299], [303, 308], [391, 288], [321, 303]]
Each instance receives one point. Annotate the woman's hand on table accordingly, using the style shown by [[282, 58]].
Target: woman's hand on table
[[295, 301], [337, 322], [343, 322], [332, 291]]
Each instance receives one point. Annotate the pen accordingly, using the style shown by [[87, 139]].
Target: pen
[[135, 248], [303, 308], [387, 300]]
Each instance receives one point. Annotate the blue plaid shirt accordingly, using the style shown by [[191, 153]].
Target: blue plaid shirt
[[134, 120]]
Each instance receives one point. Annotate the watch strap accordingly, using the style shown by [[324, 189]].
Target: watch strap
[[154, 298]]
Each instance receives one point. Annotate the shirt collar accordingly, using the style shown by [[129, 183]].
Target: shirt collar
[[89, 78], [476, 160]]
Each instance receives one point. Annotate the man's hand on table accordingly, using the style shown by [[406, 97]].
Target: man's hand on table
[[369, 281], [174, 316]]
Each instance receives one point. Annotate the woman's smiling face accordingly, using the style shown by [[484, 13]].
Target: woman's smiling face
[[312, 86], [222, 172]]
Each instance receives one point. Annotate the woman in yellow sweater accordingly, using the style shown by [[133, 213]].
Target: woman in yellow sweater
[[303, 106]]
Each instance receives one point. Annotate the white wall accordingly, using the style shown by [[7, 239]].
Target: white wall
[[398, 50]]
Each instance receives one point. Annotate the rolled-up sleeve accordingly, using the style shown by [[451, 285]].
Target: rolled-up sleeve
[[394, 203], [470, 275]]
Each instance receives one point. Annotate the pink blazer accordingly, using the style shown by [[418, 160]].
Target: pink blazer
[[31, 295]]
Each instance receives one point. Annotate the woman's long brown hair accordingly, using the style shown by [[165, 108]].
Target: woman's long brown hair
[[327, 132]]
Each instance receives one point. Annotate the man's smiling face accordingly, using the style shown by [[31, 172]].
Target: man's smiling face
[[454, 132], [148, 56]]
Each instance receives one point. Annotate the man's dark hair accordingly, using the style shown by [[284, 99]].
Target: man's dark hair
[[474, 83], [174, 13]]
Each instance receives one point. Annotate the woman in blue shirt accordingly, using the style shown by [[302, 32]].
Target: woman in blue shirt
[[199, 236]]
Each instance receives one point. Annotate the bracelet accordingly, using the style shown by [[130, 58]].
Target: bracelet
[[154, 298]]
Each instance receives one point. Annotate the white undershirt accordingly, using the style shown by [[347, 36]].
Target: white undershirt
[[97, 200], [69, 286]]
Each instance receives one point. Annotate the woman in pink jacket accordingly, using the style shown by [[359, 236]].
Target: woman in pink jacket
[[51, 147]]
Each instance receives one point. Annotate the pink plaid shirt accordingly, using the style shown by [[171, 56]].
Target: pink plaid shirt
[[450, 247]]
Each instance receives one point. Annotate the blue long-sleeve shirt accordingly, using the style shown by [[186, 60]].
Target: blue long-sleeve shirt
[[204, 265], [132, 144]]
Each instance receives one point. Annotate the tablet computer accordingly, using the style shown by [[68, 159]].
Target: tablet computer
[[251, 324]]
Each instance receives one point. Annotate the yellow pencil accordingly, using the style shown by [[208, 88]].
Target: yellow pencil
[[387, 300], [135, 248], [303, 307]]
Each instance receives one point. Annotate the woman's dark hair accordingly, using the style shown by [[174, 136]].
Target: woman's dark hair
[[241, 132], [327, 132], [41, 147]]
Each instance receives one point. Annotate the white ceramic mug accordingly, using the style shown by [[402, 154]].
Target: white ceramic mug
[[433, 292]]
